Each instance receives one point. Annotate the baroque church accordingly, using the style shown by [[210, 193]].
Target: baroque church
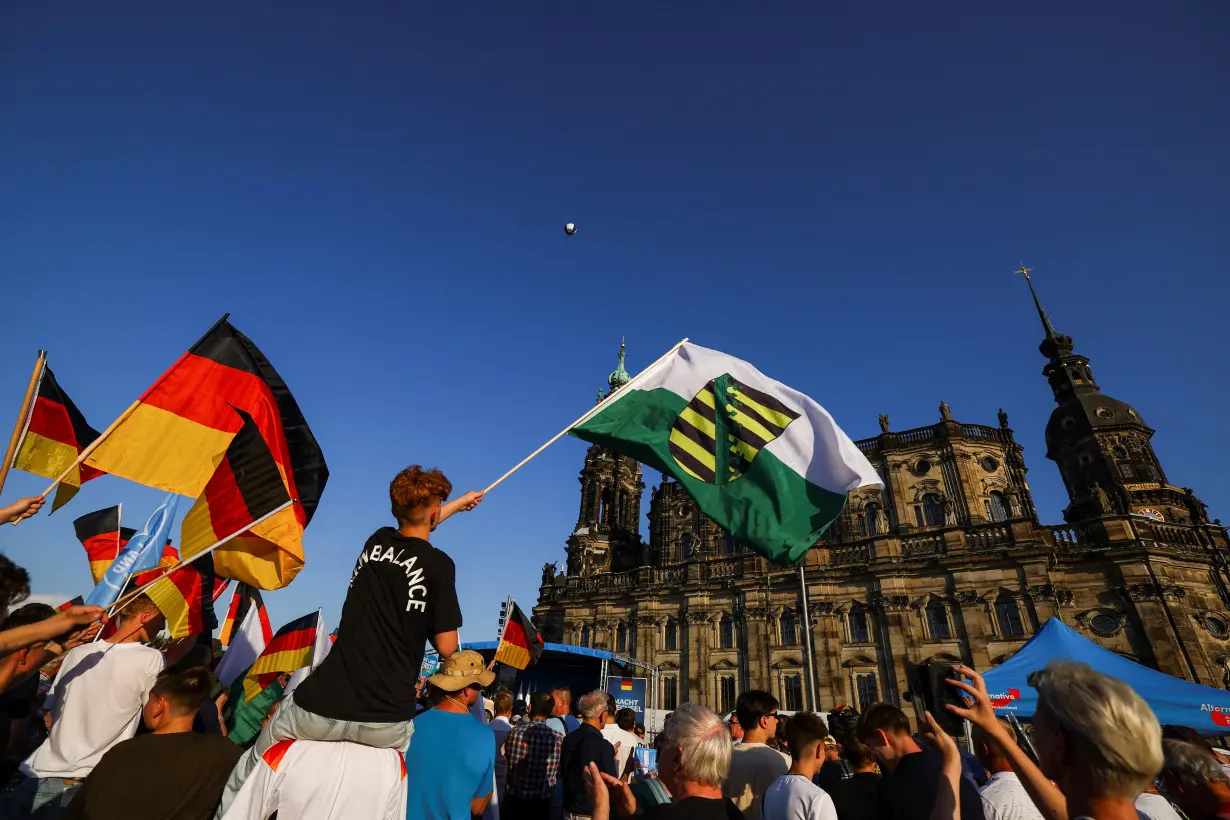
[[947, 562]]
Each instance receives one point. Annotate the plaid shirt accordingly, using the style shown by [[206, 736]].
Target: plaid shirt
[[532, 749]]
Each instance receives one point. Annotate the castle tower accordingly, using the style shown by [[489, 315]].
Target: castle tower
[[1101, 444], [607, 533]]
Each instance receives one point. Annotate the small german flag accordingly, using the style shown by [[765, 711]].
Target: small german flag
[[78, 601], [245, 487], [521, 645], [289, 650], [183, 425], [183, 598], [246, 596], [55, 434], [103, 538], [168, 559]]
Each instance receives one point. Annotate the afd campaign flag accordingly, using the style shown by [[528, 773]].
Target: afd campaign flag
[[629, 693], [141, 554]]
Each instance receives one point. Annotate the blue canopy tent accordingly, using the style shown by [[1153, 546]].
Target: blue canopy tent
[[577, 667], [1174, 701]]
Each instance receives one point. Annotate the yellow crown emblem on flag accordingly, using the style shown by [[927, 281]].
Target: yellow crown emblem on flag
[[742, 419]]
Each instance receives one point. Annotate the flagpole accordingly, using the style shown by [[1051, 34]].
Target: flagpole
[[591, 412], [111, 611], [123, 602], [93, 445], [23, 417]]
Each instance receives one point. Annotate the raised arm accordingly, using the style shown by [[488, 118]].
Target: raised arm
[[979, 711], [22, 636]]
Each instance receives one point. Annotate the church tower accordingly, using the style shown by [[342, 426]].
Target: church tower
[[607, 535], [1102, 445]]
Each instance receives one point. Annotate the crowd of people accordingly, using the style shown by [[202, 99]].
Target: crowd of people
[[122, 726]]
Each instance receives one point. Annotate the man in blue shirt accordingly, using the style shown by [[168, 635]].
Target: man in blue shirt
[[450, 764]]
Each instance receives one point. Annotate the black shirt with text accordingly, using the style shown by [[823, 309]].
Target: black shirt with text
[[402, 593]]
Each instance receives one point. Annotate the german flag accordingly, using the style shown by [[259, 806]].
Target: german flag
[[55, 434], [103, 538], [183, 598], [245, 597], [289, 650], [168, 559], [179, 430], [78, 601], [245, 487], [521, 644]]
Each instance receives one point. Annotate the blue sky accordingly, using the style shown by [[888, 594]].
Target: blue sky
[[836, 193]]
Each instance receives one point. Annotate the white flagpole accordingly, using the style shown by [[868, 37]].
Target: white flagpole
[[591, 412], [123, 602]]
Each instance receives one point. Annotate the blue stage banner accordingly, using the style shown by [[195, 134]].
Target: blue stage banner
[[629, 693]]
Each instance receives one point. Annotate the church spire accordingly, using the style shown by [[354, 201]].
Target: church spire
[[1046, 320], [619, 377]]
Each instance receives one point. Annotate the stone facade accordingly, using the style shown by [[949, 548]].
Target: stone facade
[[947, 562]]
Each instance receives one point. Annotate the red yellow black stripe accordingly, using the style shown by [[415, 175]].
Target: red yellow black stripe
[[183, 598], [521, 644], [180, 426], [245, 487], [55, 434], [290, 649], [101, 535]]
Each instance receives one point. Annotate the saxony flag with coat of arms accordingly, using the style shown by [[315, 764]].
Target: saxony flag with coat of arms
[[765, 462]]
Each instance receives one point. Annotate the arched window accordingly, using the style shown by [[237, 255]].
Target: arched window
[[790, 628], [621, 638], [585, 635], [872, 513], [859, 632], [865, 689], [672, 634], [862, 524], [933, 510], [937, 621], [726, 633], [1008, 616], [998, 506], [685, 546], [604, 505]]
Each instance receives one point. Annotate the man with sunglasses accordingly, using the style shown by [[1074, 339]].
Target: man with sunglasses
[[754, 765]]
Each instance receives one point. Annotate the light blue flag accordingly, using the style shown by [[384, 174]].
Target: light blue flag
[[140, 554]]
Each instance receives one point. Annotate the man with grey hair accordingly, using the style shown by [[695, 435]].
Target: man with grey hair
[[1195, 780], [581, 747], [1096, 739], [694, 752]]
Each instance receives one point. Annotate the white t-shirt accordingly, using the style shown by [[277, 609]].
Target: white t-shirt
[[794, 797], [1154, 807], [95, 702], [627, 742], [753, 768], [316, 780], [1004, 798]]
